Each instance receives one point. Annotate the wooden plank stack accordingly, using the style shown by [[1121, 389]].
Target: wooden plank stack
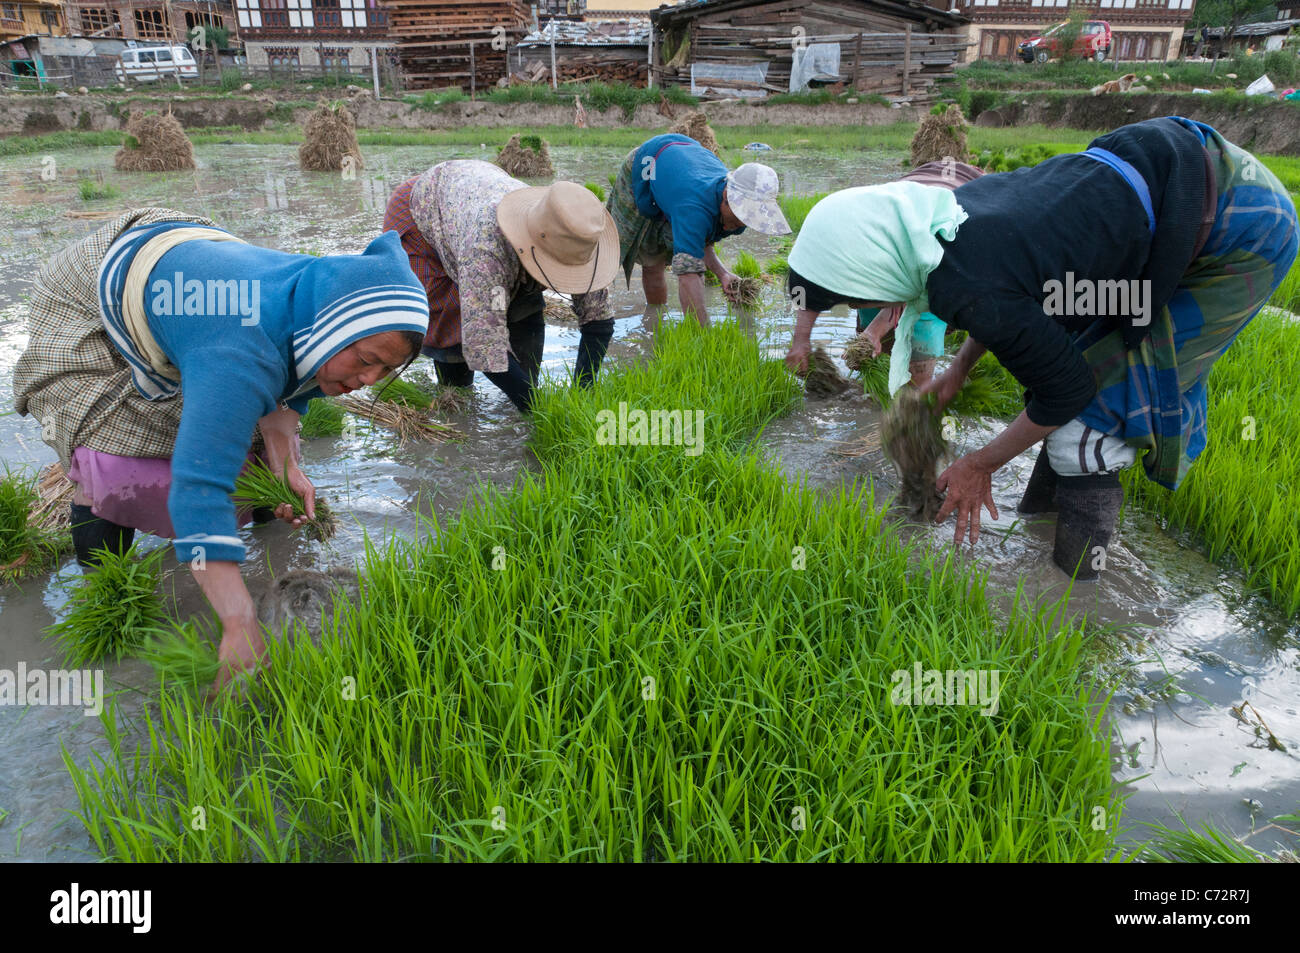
[[433, 40], [876, 53]]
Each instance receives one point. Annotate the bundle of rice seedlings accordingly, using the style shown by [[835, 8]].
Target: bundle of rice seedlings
[[822, 378], [154, 144], [33, 523], [450, 400], [407, 422], [597, 190], [751, 278], [181, 656], [777, 266], [858, 353], [113, 608], [259, 486], [300, 601], [396, 390], [940, 136], [526, 157], [330, 139], [696, 125], [913, 439], [324, 418]]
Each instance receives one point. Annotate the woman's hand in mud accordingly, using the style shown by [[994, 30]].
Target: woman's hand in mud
[[796, 359], [968, 486], [944, 387], [240, 653]]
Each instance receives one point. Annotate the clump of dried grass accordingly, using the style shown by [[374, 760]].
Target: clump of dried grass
[[330, 140], [526, 157], [409, 423], [696, 125], [154, 143], [940, 136]]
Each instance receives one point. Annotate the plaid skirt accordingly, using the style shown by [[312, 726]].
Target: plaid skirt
[[639, 238], [71, 378], [1154, 396]]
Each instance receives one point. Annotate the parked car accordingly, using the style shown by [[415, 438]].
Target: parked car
[[1093, 42], [144, 64]]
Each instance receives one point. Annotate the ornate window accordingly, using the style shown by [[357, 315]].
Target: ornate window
[[94, 19], [149, 25]]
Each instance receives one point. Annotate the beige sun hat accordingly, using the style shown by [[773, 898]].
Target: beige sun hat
[[563, 235]]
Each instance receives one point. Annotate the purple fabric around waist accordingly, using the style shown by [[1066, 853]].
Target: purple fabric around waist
[[130, 491]]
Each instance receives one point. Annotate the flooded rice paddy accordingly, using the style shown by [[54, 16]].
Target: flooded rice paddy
[[1184, 638]]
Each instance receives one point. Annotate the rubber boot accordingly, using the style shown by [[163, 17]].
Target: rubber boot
[[1040, 493], [91, 533], [1089, 507]]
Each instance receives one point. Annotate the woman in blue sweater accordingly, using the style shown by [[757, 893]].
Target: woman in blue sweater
[[162, 347]]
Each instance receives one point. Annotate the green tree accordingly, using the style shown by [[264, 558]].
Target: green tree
[[1067, 37]]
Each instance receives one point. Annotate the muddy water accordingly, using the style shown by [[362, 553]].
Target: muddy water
[[1201, 644]]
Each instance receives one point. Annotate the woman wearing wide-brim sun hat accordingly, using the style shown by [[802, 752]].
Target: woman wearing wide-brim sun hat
[[485, 245]]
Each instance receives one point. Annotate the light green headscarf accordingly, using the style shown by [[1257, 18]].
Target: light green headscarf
[[880, 243]]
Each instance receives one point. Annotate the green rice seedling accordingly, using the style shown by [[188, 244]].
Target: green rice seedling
[[324, 418], [597, 190], [1189, 846], [181, 656], [747, 675], [989, 391], [797, 207], [777, 266], [25, 547], [112, 608], [747, 266], [92, 191], [259, 486], [1241, 496], [397, 390], [751, 278]]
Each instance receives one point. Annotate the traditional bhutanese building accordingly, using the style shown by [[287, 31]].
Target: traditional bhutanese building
[[1140, 29], [19, 18], [331, 33], [148, 21]]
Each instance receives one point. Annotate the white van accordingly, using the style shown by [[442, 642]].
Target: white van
[[144, 64]]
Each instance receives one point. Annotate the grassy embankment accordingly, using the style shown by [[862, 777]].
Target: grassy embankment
[[488, 699]]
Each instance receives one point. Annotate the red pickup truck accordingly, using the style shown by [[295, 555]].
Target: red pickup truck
[[1092, 42]]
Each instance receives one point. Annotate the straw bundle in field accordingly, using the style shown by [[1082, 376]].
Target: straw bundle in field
[[940, 136], [409, 423], [154, 143], [330, 140], [526, 157], [696, 125]]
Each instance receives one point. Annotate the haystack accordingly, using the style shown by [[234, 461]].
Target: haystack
[[329, 139], [939, 137], [696, 125], [913, 438], [154, 144], [526, 157]]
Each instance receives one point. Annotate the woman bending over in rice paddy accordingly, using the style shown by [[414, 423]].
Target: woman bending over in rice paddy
[[485, 245], [160, 344], [1107, 282]]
